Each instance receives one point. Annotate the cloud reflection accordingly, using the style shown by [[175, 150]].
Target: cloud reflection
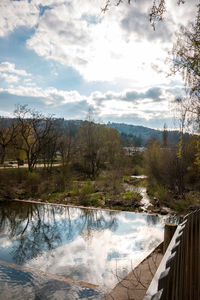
[[86, 245]]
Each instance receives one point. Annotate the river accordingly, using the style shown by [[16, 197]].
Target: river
[[87, 245]]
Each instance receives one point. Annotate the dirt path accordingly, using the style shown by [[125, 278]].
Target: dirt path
[[15, 166]]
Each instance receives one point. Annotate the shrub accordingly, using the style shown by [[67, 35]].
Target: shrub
[[84, 194], [131, 195], [96, 199], [138, 170], [160, 192], [32, 183]]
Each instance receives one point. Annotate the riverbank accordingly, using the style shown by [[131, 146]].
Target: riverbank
[[110, 190], [63, 186]]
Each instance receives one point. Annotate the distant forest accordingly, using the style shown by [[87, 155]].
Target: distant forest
[[133, 135], [130, 135]]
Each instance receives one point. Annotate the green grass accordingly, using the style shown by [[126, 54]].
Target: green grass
[[183, 205], [130, 195], [135, 181], [127, 195], [138, 170], [160, 192]]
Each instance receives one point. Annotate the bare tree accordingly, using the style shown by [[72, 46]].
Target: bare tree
[[157, 10], [50, 145], [34, 129], [8, 132], [97, 145], [66, 143], [186, 57]]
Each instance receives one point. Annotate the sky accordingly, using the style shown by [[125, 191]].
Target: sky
[[64, 58]]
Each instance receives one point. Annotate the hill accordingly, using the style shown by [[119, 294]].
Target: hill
[[142, 134], [131, 135]]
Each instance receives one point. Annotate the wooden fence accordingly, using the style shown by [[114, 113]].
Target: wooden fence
[[178, 275]]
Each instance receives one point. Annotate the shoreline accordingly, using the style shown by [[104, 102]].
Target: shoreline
[[91, 207]]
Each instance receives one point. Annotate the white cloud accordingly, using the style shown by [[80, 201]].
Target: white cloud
[[184, 13], [10, 68], [10, 74], [50, 96], [145, 104], [28, 82], [15, 14], [115, 46], [100, 50], [9, 78]]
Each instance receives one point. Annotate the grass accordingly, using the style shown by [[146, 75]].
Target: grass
[[138, 170], [96, 200], [53, 196], [130, 195], [183, 205], [63, 186], [159, 192], [135, 181], [180, 204], [19, 183]]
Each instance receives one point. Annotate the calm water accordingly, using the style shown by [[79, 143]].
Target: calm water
[[86, 245]]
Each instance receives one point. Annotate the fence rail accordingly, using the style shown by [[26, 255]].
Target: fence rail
[[178, 276]]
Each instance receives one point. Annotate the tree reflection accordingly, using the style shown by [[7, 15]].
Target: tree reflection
[[29, 229], [35, 228], [94, 220]]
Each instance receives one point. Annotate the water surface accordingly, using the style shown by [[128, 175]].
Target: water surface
[[82, 244], [19, 283]]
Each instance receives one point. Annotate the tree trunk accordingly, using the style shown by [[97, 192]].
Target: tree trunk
[[3, 154]]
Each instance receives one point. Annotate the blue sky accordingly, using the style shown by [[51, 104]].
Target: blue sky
[[65, 57]]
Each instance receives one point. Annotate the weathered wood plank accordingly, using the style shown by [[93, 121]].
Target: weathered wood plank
[[178, 276], [153, 288]]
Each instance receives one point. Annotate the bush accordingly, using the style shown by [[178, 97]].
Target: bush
[[9, 182], [131, 195], [138, 170], [160, 192], [96, 200], [84, 194], [32, 183]]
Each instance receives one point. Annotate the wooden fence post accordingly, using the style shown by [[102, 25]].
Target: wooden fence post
[[168, 234]]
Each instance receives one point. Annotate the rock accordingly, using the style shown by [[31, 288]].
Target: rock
[[156, 211], [156, 202], [164, 212]]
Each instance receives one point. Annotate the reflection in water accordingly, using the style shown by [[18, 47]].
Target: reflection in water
[[19, 284], [78, 243]]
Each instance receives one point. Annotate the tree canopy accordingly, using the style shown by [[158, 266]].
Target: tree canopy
[[186, 60]]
